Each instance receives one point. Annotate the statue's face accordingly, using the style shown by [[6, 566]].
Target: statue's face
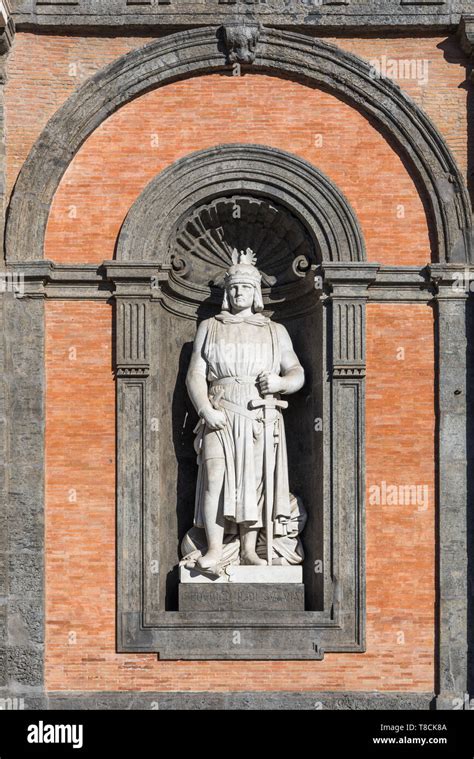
[[241, 296]]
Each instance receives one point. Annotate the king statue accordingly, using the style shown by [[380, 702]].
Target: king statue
[[242, 362]]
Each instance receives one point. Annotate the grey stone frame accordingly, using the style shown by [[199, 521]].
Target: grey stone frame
[[418, 140], [143, 248], [325, 17]]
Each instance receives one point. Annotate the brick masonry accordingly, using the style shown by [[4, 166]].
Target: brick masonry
[[80, 522]]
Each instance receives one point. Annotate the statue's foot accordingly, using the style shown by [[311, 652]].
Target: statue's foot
[[251, 558], [210, 560]]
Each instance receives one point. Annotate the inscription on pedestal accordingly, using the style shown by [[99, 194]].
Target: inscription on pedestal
[[241, 597]]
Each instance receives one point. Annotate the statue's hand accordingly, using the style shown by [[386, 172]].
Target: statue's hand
[[215, 420], [269, 383]]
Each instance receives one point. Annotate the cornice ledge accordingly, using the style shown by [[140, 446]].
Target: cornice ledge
[[454, 281], [342, 277]]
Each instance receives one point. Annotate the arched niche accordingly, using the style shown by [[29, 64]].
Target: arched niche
[[173, 249], [177, 220]]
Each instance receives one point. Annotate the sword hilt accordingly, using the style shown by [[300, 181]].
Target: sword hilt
[[267, 403]]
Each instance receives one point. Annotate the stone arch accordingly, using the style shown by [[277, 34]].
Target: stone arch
[[290, 214], [200, 51], [256, 169]]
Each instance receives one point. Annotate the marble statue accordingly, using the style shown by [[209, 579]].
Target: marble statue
[[241, 365]]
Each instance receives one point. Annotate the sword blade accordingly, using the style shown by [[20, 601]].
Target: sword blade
[[269, 485]]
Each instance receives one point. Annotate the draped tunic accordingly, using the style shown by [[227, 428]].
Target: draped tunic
[[236, 350]]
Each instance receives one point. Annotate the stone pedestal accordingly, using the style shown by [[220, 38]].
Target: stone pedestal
[[242, 588]]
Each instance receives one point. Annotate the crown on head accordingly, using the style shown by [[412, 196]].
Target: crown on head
[[243, 268], [244, 257]]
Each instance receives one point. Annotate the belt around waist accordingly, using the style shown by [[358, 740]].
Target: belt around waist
[[234, 380]]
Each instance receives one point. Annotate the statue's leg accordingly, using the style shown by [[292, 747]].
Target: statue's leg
[[248, 544], [249, 534], [213, 520]]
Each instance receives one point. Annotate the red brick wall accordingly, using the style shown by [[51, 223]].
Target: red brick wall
[[80, 535], [104, 179], [119, 159]]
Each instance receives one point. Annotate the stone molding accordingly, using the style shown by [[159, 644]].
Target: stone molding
[[224, 169], [227, 700], [52, 281], [327, 15]]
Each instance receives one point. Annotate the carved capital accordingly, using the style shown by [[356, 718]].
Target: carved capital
[[240, 40], [348, 349], [132, 372], [132, 351], [451, 281], [349, 280], [343, 372]]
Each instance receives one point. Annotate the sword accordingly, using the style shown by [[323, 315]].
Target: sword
[[269, 403]]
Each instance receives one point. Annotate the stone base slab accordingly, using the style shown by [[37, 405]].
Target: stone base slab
[[245, 574]]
